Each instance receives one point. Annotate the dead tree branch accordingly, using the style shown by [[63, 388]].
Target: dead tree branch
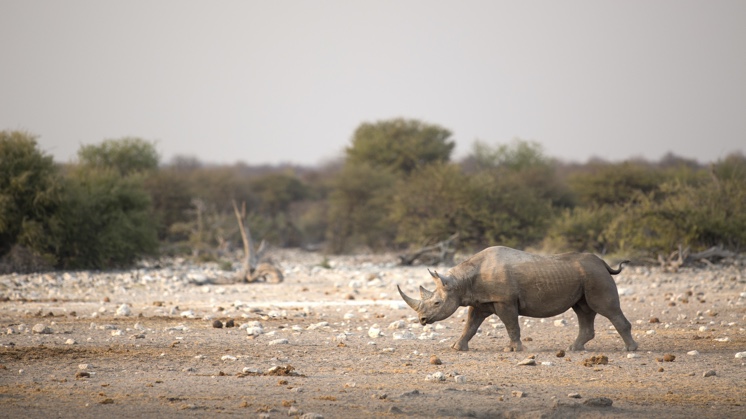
[[441, 252], [251, 269]]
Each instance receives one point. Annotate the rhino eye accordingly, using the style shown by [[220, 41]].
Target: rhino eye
[[436, 303]]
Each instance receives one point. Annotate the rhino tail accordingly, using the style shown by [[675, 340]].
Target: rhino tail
[[618, 270]]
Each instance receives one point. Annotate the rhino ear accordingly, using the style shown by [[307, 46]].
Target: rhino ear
[[442, 281]]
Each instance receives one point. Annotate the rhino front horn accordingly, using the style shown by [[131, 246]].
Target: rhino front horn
[[412, 302]]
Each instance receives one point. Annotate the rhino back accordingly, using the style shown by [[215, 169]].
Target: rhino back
[[542, 286]]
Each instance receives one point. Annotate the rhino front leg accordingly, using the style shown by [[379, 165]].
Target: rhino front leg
[[508, 314], [473, 321]]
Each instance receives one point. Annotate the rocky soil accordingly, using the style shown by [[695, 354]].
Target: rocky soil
[[338, 342]]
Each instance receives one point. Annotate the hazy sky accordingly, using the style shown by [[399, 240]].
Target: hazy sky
[[289, 81]]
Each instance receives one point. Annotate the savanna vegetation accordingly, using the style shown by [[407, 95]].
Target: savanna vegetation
[[396, 187]]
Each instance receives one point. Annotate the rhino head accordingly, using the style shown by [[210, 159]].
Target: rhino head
[[435, 305]]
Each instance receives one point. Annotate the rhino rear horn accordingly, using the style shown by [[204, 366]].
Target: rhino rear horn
[[412, 302], [424, 293]]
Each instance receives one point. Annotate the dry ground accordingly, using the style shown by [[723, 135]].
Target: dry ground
[[160, 362]]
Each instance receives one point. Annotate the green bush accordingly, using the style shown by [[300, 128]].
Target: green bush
[[358, 209], [580, 229], [30, 199], [399, 145], [126, 155], [430, 205], [107, 221]]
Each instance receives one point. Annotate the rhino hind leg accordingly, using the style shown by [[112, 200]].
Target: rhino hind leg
[[473, 321], [586, 319], [612, 311], [508, 314], [624, 328]]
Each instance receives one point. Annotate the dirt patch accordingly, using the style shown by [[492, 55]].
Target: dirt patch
[[339, 343]]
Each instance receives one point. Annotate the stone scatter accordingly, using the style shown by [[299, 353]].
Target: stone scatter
[[176, 338]]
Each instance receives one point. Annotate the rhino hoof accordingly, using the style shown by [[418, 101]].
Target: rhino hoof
[[458, 347]]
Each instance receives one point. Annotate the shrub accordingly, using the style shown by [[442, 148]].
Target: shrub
[[30, 199]]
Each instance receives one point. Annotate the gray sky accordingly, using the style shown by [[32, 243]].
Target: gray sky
[[289, 81]]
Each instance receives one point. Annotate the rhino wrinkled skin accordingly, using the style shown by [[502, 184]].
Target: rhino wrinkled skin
[[511, 283]]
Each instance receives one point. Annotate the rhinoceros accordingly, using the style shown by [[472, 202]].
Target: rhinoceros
[[511, 283]]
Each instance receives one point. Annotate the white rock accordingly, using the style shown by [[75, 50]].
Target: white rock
[[278, 342], [188, 314], [83, 366], [437, 376], [254, 331], [374, 331], [693, 353], [249, 370], [460, 379], [405, 335], [70, 342], [349, 316], [560, 322], [318, 325], [340, 337], [41, 329], [228, 358], [399, 324], [741, 355], [631, 356], [725, 339], [117, 332], [124, 310]]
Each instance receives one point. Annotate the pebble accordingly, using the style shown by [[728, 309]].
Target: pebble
[[399, 324], [710, 373], [693, 353], [574, 395], [318, 325], [560, 323], [518, 394], [527, 361], [437, 376], [741, 355], [70, 342], [374, 331], [41, 329], [278, 342], [228, 358], [217, 324], [124, 310], [460, 379], [435, 360], [599, 402], [188, 314], [406, 335], [631, 356]]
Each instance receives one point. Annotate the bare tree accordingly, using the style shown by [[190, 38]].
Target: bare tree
[[252, 269]]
